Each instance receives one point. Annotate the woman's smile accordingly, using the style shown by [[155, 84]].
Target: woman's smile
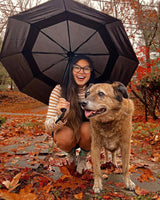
[[80, 77]]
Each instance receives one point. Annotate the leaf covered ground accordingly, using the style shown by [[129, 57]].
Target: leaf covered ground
[[50, 176]]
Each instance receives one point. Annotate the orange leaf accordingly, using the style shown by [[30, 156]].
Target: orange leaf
[[133, 168], [146, 175], [24, 194], [65, 170], [79, 196], [141, 191], [47, 188], [7, 195]]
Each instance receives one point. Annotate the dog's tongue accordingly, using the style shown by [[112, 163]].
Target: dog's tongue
[[88, 113]]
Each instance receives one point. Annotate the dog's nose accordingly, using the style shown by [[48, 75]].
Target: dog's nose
[[84, 103]]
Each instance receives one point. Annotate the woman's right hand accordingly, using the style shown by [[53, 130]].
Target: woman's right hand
[[63, 104]]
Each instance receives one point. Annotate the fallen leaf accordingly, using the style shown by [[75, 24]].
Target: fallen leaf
[[106, 197], [24, 194], [14, 183], [145, 175], [65, 170], [156, 157], [47, 188], [79, 196], [7, 195], [116, 194], [121, 185], [141, 191], [105, 176]]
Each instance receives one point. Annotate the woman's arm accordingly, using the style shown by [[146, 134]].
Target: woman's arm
[[52, 114]]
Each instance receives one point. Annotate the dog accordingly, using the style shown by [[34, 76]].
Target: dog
[[109, 111]]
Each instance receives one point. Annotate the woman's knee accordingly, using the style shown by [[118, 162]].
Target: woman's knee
[[85, 131], [64, 139]]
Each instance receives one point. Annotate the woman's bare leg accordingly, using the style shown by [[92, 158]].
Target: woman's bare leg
[[85, 136], [64, 139]]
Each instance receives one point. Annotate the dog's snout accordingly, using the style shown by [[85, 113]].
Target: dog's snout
[[84, 103]]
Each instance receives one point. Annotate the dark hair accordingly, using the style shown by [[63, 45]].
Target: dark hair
[[70, 92]]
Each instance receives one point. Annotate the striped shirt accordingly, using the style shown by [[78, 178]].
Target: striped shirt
[[52, 114]]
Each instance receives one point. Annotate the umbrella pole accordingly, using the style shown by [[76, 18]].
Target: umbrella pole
[[65, 82]]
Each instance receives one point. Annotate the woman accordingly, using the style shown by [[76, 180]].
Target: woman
[[73, 130]]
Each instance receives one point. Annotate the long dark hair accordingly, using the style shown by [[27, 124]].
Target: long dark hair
[[70, 93]]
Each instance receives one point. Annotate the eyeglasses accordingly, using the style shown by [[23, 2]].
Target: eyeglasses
[[77, 68]]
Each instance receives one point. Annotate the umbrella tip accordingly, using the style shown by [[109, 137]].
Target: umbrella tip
[[70, 55]]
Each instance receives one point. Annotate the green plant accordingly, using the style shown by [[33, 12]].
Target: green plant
[[2, 120]]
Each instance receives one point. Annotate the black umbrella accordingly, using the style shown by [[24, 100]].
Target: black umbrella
[[40, 42]]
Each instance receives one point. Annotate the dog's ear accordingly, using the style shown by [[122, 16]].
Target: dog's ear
[[87, 89], [120, 91], [89, 86]]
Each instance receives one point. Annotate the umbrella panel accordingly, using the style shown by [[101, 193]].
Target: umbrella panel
[[57, 72], [49, 52], [57, 34], [119, 74], [46, 61], [22, 73], [54, 30]]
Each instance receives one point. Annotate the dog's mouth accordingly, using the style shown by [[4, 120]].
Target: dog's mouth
[[91, 113]]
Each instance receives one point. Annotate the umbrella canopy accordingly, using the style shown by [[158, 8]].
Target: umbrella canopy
[[40, 42]]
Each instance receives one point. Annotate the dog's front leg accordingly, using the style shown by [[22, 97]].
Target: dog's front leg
[[125, 151], [95, 152], [114, 160]]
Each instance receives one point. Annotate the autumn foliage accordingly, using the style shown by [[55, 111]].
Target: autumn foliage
[[54, 178]]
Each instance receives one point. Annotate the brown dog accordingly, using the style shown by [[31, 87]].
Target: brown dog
[[110, 113]]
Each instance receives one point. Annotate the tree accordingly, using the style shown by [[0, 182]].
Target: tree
[[142, 24], [12, 7], [4, 76], [148, 74], [9, 8]]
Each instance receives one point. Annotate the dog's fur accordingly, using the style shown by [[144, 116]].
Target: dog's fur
[[110, 112]]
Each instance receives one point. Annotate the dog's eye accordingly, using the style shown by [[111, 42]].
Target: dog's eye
[[101, 94], [86, 94]]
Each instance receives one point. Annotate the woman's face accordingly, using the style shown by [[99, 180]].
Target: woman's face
[[81, 76]]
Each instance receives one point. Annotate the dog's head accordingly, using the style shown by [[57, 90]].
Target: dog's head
[[104, 98]]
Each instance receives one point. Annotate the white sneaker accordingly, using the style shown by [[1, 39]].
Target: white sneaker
[[71, 157], [81, 163]]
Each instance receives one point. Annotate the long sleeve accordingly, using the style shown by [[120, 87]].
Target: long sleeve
[[52, 115]]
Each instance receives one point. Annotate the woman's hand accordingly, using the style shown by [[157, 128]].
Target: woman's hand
[[63, 104]]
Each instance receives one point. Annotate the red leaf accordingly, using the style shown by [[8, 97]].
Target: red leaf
[[106, 197], [115, 194]]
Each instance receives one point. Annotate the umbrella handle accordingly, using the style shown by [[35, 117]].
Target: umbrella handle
[[62, 115]]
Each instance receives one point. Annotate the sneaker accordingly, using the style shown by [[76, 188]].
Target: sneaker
[[81, 162], [71, 156]]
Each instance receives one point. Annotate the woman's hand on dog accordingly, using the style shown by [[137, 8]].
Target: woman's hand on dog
[[63, 104]]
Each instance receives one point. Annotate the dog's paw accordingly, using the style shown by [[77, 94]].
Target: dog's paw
[[97, 187], [130, 185]]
